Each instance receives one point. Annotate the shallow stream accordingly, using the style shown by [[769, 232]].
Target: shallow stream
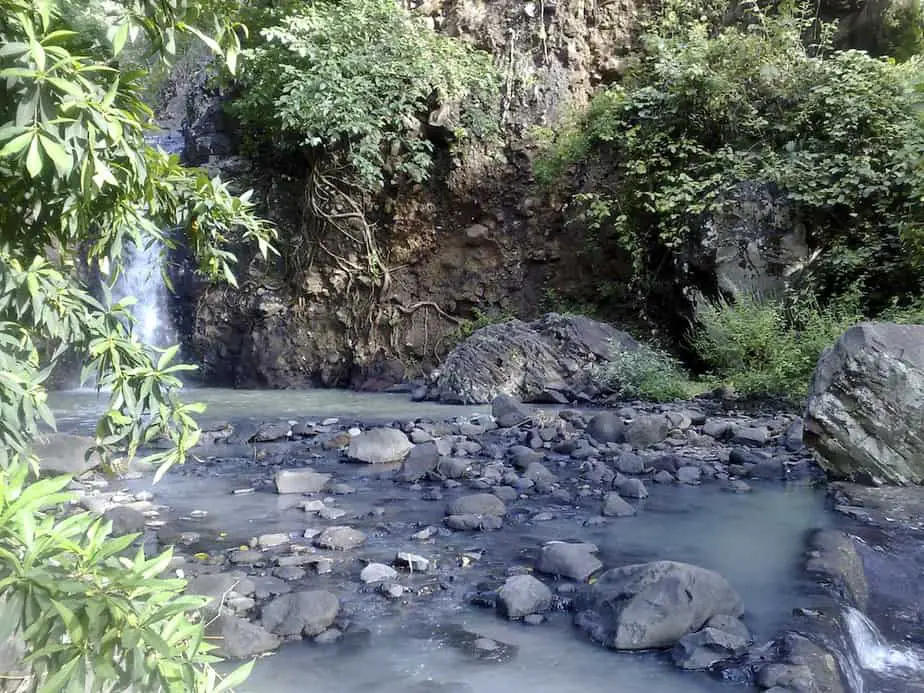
[[755, 540]]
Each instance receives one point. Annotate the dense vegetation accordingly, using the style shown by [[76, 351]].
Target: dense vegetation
[[708, 113], [80, 184]]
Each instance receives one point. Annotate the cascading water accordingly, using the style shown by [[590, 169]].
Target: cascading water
[[874, 653], [141, 278]]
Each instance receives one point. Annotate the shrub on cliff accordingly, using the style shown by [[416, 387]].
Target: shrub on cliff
[[77, 173], [838, 133], [357, 83]]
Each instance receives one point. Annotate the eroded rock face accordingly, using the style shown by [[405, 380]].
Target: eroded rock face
[[865, 411], [539, 361], [653, 605]]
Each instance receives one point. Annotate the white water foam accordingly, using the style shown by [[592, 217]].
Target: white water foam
[[872, 650], [141, 278]]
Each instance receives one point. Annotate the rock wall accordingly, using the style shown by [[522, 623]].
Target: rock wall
[[475, 240]]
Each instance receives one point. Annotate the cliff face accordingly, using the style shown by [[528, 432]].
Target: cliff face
[[474, 240]]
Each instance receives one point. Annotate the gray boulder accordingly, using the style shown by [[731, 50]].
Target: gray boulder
[[575, 561], [421, 461], [477, 504], [125, 520], [615, 506], [702, 649], [865, 411], [301, 613], [507, 411], [653, 605], [380, 446], [340, 538], [300, 481], [606, 427], [534, 362], [238, 638], [62, 453], [646, 431], [474, 523], [522, 595]]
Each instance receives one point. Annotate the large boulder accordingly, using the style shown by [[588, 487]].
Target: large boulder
[[63, 453], [865, 411], [380, 446], [534, 362], [653, 605], [301, 613]]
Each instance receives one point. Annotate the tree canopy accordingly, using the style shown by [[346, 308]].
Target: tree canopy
[[79, 181]]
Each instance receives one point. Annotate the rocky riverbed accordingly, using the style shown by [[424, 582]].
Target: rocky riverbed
[[525, 548]]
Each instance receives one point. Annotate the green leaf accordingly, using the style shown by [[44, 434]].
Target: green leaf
[[59, 679], [62, 160], [119, 38], [17, 144], [236, 677], [34, 159]]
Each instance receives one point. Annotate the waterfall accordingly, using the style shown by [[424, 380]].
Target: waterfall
[[872, 650], [141, 278]]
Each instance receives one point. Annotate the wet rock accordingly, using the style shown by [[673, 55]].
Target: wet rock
[[301, 613], [312, 506], [521, 456], [341, 489], [291, 573], [653, 605], [539, 474], [453, 467], [750, 435], [663, 477], [377, 572], [522, 595], [477, 504], [632, 488], [508, 411], [420, 462], [865, 411], [792, 438], [391, 590], [300, 481], [341, 538], [62, 453], [570, 560], [706, 647], [615, 506], [125, 520], [266, 541], [645, 431], [271, 431], [717, 429], [246, 557], [689, 475], [413, 562], [418, 436], [329, 513], [630, 463], [736, 486], [266, 586], [833, 554], [329, 636], [472, 523], [380, 446], [220, 586], [606, 427], [238, 638]]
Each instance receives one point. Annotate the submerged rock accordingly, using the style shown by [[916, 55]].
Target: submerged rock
[[865, 411], [477, 504], [300, 481], [340, 538], [653, 605], [240, 639]]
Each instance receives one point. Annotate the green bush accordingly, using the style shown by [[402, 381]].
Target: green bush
[[644, 373], [836, 134], [350, 80], [766, 347]]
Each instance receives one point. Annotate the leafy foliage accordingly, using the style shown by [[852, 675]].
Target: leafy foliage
[[645, 373], [355, 80], [77, 176], [838, 134], [767, 347]]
